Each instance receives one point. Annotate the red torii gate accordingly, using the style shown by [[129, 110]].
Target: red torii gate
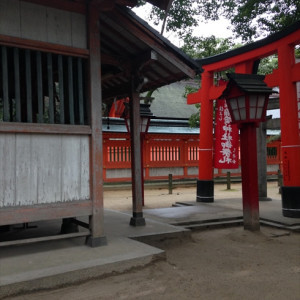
[[246, 60]]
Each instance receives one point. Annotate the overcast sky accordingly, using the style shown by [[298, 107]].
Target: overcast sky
[[216, 28]]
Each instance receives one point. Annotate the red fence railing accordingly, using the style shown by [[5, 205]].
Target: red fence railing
[[164, 154]]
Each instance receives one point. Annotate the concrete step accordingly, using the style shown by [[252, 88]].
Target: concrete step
[[211, 225], [182, 204]]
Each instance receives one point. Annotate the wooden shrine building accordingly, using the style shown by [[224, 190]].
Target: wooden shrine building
[[60, 62]]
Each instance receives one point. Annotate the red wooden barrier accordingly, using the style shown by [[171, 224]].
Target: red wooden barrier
[[163, 154]]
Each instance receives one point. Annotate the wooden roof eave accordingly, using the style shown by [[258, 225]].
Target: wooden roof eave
[[157, 43], [79, 6]]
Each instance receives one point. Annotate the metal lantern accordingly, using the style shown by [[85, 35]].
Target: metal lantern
[[247, 98]]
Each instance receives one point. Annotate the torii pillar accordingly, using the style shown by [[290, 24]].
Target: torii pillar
[[205, 182], [290, 138], [205, 96]]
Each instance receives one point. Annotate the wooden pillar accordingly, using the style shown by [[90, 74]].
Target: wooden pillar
[[205, 182], [289, 133], [262, 162], [136, 171], [97, 237], [249, 177]]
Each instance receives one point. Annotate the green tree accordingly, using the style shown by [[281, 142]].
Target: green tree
[[200, 47], [249, 18]]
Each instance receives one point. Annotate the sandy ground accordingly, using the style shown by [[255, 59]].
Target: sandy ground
[[160, 197], [226, 263]]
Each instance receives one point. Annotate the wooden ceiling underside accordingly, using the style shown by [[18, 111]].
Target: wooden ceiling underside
[[103, 5]]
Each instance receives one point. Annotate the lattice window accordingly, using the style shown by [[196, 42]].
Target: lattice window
[[193, 153], [171, 153], [40, 87], [118, 154]]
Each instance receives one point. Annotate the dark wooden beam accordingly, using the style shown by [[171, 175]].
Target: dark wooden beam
[[106, 5], [15, 127], [73, 6], [32, 213], [97, 237], [130, 3], [136, 170], [42, 46], [162, 4]]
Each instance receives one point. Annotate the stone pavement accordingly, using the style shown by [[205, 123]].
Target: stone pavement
[[56, 263]]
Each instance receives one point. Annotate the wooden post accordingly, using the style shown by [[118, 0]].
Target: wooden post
[[279, 181], [170, 184], [97, 237], [249, 177], [228, 181], [262, 162], [136, 171]]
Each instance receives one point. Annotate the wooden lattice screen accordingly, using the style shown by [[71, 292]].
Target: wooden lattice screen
[[40, 87]]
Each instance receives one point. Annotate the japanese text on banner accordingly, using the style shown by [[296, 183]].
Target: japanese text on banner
[[227, 139]]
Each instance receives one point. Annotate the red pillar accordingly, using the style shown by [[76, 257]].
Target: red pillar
[[205, 183], [249, 176], [289, 133]]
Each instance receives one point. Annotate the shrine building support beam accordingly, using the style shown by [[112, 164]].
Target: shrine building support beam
[[96, 221]]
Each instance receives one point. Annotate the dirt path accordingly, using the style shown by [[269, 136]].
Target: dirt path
[[217, 264], [160, 197]]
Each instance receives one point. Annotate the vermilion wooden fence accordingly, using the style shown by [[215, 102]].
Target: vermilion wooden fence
[[164, 154]]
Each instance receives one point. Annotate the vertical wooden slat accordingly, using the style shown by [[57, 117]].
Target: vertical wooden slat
[[17, 84], [40, 87], [50, 87], [80, 91], [61, 90], [71, 92], [6, 117], [28, 86]]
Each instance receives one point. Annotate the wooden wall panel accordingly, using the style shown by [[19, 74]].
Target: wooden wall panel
[[10, 17], [33, 21], [47, 151], [26, 171], [59, 26], [7, 167], [40, 23], [70, 169], [41, 169], [85, 167], [79, 33]]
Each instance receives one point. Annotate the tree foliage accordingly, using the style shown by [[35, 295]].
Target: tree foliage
[[249, 18], [201, 47]]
